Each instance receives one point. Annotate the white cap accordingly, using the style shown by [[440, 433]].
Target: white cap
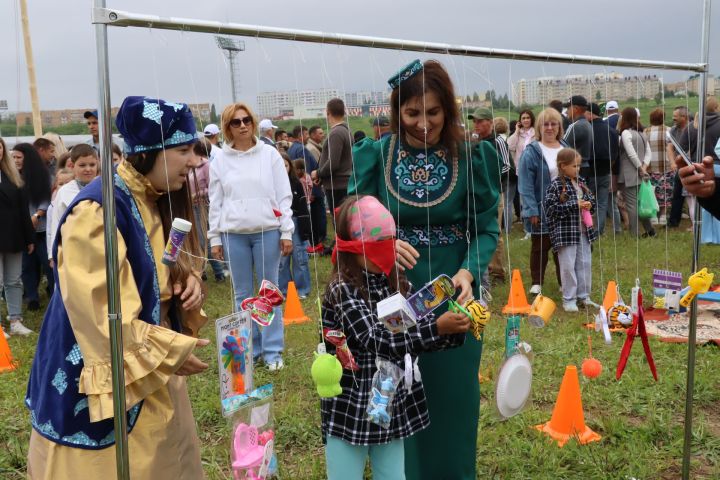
[[211, 129], [266, 124], [611, 105]]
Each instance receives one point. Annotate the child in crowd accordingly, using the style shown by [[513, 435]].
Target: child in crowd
[[360, 281], [305, 179], [301, 218], [62, 178], [568, 207], [86, 167]]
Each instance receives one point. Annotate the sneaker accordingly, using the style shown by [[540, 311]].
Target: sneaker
[[526, 237], [276, 365], [662, 220], [654, 221], [586, 302], [17, 328], [535, 289], [6, 335], [570, 307]]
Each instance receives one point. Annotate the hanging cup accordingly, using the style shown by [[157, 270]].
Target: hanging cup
[[541, 310]]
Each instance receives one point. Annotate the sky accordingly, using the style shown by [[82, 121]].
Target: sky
[[184, 66]]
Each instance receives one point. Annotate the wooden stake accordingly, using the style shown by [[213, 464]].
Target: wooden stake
[[37, 121]]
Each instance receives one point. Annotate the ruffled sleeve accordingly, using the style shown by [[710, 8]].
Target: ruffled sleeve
[[151, 353], [483, 224]]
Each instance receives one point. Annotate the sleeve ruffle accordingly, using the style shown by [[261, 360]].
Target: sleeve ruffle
[[148, 366]]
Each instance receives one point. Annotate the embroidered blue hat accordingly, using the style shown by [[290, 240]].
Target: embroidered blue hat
[[152, 124], [411, 69]]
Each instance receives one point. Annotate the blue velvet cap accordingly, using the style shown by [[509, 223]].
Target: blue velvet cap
[[410, 69], [148, 124]]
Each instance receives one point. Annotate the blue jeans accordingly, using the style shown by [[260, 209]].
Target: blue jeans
[[217, 267], [300, 269], [10, 272], [509, 196], [347, 462], [33, 266], [259, 252], [600, 188]]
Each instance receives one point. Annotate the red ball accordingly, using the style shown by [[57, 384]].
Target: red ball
[[591, 367]]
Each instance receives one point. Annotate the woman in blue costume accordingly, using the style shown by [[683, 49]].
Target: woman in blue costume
[[70, 390], [444, 202]]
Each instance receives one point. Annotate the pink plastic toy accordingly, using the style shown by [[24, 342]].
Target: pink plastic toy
[[248, 453]]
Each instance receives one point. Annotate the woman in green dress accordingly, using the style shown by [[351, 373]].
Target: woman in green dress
[[445, 205]]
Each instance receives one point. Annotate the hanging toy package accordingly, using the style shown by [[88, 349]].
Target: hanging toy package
[[261, 308], [235, 364], [384, 386], [253, 437]]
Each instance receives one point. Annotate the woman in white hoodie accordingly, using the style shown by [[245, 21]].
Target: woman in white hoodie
[[251, 218]]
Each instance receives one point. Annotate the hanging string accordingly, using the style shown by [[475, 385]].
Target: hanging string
[[613, 194]]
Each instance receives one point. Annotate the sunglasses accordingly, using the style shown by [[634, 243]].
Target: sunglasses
[[236, 122]]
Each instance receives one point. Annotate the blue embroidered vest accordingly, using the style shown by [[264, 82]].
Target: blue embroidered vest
[[58, 411]]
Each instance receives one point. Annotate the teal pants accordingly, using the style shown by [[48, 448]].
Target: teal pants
[[347, 462]]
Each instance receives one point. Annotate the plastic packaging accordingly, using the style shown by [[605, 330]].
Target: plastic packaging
[[235, 365], [342, 351], [179, 230], [253, 437], [384, 386]]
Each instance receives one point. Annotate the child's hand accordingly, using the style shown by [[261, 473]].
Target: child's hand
[[585, 205], [450, 322]]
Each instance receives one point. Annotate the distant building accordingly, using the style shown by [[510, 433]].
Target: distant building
[[692, 85], [311, 103], [602, 86], [55, 118]]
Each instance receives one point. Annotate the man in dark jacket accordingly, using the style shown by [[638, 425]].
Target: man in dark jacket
[[336, 157], [597, 174], [688, 139], [579, 134]]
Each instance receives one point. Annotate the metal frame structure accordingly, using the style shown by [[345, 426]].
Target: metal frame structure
[[231, 47], [103, 17]]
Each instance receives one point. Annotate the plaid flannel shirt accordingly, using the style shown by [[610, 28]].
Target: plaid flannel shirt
[[344, 416], [564, 220]]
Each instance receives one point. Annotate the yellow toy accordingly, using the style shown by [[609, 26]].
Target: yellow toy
[[699, 282], [478, 313]]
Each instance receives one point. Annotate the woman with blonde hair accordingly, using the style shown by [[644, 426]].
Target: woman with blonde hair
[[250, 214], [18, 237], [537, 167]]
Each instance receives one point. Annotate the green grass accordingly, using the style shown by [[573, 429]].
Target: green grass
[[641, 421]]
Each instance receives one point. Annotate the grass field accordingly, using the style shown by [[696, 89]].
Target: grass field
[[641, 421]]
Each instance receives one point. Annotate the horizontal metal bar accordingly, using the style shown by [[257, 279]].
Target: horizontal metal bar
[[118, 18]]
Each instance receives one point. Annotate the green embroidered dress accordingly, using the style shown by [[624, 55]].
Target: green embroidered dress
[[446, 208]]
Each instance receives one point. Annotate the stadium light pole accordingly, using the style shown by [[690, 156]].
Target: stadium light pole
[[231, 47]]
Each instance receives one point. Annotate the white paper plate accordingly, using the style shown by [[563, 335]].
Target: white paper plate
[[512, 389]]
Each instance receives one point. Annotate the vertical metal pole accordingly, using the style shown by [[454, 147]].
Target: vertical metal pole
[[111, 251], [231, 56], [692, 331]]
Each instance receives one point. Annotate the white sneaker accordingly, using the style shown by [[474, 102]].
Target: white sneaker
[[526, 237], [6, 335], [535, 289], [17, 328], [570, 307], [662, 220], [275, 366], [586, 302], [654, 221]]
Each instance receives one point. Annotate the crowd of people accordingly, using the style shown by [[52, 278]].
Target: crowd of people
[[423, 197]]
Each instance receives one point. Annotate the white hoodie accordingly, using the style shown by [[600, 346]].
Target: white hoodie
[[249, 193]]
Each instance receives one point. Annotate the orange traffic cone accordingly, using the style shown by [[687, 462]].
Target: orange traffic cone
[[611, 295], [568, 420], [6, 361], [293, 309], [517, 301]]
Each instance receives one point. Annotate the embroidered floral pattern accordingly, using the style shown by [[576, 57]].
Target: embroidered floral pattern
[[434, 236], [414, 67], [152, 111], [75, 356], [421, 180], [80, 438], [60, 381], [81, 405], [177, 138]]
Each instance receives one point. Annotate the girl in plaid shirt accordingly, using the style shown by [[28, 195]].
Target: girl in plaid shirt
[[365, 273], [568, 207]]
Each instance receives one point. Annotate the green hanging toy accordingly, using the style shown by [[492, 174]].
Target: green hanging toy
[[326, 372]]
